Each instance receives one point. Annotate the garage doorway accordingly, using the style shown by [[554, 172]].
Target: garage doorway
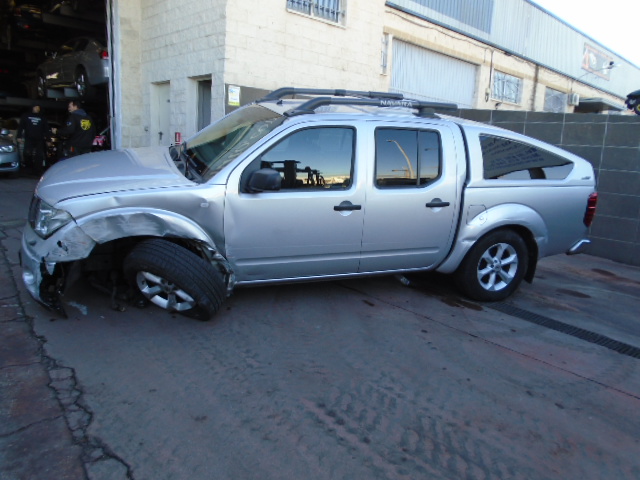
[[204, 103]]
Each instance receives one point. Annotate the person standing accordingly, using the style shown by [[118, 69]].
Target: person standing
[[79, 131], [32, 130]]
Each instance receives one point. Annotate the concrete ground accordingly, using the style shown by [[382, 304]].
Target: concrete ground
[[364, 378]]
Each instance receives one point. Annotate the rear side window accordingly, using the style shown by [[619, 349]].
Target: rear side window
[[406, 157], [507, 159]]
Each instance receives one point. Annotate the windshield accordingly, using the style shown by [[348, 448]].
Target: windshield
[[221, 142]]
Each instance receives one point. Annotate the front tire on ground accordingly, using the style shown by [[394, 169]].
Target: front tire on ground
[[175, 279], [494, 267]]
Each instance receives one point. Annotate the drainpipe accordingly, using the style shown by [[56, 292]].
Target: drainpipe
[[535, 88]]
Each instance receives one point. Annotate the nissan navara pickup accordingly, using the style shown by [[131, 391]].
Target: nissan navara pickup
[[303, 185]]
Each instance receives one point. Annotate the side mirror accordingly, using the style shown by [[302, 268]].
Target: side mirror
[[264, 180]]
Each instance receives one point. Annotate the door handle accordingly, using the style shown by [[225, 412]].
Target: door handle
[[437, 203], [346, 208]]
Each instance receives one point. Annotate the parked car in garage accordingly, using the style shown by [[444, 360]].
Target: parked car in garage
[[22, 21], [9, 157], [81, 63]]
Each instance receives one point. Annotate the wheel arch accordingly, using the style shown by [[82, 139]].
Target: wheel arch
[[525, 221], [41, 77], [119, 223], [120, 230]]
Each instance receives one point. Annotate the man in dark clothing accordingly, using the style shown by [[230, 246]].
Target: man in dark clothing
[[79, 131], [32, 130]]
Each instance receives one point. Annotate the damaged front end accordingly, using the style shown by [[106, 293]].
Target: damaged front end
[[47, 287], [50, 241], [58, 249]]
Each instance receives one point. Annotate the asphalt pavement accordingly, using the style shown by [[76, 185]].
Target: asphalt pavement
[[36, 441], [44, 421]]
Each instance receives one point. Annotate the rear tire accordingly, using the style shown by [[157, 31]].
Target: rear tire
[[41, 86], [494, 267], [175, 279], [83, 87]]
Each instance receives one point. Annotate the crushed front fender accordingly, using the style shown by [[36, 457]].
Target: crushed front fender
[[44, 262]]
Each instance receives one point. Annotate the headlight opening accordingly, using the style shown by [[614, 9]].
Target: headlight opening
[[45, 219]]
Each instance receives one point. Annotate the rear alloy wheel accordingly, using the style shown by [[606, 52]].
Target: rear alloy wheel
[[175, 279], [494, 267], [83, 87], [42, 86]]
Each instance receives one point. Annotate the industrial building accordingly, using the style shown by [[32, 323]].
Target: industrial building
[[177, 66]]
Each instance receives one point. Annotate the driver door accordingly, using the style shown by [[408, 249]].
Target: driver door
[[312, 226]]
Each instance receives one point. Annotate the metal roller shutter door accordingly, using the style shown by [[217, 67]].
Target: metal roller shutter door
[[426, 75]]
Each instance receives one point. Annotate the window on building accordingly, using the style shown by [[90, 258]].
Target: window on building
[[507, 88], [406, 158], [507, 159], [331, 10], [554, 101]]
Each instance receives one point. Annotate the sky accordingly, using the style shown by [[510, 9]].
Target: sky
[[613, 23]]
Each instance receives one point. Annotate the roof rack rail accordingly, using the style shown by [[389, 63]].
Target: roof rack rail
[[425, 109], [287, 91]]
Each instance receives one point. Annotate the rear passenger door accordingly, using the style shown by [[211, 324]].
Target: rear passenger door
[[412, 198]]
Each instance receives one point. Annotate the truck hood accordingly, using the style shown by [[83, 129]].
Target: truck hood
[[110, 171]]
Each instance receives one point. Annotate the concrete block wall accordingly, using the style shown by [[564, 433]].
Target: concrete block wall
[[612, 144]]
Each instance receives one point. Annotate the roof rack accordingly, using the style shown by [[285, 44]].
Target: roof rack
[[289, 91], [425, 109]]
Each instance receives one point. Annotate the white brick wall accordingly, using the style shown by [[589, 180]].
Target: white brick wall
[[168, 41], [270, 47]]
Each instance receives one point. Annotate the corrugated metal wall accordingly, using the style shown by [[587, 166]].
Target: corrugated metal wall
[[425, 75], [522, 28]]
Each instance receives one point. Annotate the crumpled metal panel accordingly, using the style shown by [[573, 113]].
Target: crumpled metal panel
[[66, 245], [131, 222]]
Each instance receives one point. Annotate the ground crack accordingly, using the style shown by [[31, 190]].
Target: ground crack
[[68, 393]]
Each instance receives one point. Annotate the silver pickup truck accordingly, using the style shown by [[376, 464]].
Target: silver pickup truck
[[325, 185]]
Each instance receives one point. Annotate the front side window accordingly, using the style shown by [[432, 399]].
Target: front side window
[[331, 10], [314, 158], [506, 159], [507, 88], [406, 158]]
